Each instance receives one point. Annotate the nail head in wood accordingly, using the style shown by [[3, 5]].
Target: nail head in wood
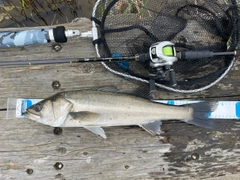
[[58, 165], [29, 171], [57, 47], [56, 85], [57, 131], [127, 166], [195, 156]]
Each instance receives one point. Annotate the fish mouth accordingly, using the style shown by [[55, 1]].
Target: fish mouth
[[31, 115]]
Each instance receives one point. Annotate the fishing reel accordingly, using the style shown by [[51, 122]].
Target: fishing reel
[[161, 57]]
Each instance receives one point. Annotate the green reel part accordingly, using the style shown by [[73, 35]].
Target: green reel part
[[168, 51]]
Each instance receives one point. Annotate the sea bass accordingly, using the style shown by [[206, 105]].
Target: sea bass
[[93, 110]]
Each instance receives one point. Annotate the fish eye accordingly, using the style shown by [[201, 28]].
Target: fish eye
[[38, 107]]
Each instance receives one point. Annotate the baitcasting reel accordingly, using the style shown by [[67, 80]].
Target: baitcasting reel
[[162, 56]]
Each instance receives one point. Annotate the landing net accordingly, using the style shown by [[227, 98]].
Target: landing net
[[129, 27]]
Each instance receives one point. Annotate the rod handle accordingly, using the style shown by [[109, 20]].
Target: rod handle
[[189, 55]]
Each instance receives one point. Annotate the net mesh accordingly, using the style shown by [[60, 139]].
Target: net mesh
[[130, 27]]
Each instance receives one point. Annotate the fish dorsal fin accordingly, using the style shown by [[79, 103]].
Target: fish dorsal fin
[[153, 128], [142, 91], [86, 116], [96, 130], [106, 89]]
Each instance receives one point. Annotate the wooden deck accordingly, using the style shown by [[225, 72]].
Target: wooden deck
[[29, 150]]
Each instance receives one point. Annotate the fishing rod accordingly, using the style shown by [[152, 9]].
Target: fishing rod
[[67, 60], [161, 56]]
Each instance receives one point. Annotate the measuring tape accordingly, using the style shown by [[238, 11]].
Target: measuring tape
[[224, 110]]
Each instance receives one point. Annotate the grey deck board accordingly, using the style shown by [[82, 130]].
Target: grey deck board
[[128, 152]]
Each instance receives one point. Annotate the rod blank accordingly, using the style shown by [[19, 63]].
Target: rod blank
[[69, 61]]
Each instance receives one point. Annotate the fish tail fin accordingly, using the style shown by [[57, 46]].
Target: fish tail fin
[[201, 111]]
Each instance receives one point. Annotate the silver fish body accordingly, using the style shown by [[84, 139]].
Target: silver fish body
[[95, 109]]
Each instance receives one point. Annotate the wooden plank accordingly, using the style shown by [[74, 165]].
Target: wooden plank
[[128, 152], [83, 154]]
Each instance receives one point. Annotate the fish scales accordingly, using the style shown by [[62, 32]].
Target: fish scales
[[122, 109]]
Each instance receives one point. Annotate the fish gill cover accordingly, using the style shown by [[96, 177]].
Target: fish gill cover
[[130, 27]]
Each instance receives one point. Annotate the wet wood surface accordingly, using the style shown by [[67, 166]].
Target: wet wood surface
[[29, 150]]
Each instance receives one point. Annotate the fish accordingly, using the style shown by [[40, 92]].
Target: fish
[[94, 109]]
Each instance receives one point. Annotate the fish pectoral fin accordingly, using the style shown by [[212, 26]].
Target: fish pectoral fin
[[153, 128], [96, 130], [84, 116]]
